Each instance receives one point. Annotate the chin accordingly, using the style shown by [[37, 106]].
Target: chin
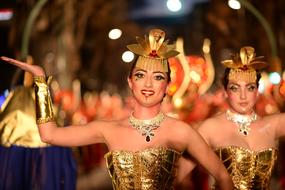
[[149, 104], [243, 111]]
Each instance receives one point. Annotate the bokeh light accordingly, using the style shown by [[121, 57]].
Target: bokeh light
[[128, 56], [115, 34], [234, 4]]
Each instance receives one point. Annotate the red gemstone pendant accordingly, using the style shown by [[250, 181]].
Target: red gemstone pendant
[[147, 138]]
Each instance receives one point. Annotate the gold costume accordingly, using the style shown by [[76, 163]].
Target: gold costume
[[44, 107], [149, 169], [243, 66], [250, 170], [18, 120], [153, 51]]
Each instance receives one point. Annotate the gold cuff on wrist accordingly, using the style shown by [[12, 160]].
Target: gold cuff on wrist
[[44, 110]]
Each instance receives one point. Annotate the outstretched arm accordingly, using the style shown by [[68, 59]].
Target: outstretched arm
[[278, 120], [204, 155], [35, 70], [49, 132]]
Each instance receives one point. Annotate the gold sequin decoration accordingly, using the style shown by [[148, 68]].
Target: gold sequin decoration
[[250, 170], [148, 169]]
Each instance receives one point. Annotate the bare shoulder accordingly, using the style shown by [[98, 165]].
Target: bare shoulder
[[211, 124], [179, 133], [179, 127], [173, 122], [275, 120], [103, 131], [273, 117]]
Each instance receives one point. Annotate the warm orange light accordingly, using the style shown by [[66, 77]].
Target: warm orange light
[[282, 88]]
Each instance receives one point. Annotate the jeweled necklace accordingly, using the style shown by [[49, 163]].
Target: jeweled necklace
[[242, 121], [146, 126]]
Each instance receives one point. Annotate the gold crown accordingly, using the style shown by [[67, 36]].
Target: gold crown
[[153, 51], [243, 66]]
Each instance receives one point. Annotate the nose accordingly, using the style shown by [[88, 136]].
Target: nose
[[243, 94], [148, 82]]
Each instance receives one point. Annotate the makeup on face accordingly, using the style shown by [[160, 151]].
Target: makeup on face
[[242, 96], [149, 86]]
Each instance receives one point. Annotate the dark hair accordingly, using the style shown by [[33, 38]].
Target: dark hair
[[134, 65], [225, 79]]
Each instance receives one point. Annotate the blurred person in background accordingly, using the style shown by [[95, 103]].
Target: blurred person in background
[[25, 161]]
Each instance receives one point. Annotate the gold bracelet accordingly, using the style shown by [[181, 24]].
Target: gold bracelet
[[44, 111]]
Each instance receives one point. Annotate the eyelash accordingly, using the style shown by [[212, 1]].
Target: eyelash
[[249, 88], [156, 77], [139, 75], [159, 77], [233, 88]]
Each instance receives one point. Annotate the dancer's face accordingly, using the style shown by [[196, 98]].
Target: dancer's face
[[242, 96], [148, 86]]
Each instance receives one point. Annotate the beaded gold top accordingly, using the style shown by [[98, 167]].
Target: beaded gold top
[[148, 169], [249, 169], [153, 51], [243, 66]]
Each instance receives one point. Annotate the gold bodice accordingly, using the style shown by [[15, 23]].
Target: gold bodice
[[250, 170], [148, 169]]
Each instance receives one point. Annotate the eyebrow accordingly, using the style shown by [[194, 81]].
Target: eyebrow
[[240, 85], [155, 72], [251, 84], [140, 70], [158, 72]]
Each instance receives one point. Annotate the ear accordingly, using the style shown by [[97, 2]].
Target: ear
[[167, 88], [130, 83], [225, 94], [257, 94]]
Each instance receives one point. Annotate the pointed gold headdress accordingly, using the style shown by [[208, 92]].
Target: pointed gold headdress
[[153, 51], [243, 66]]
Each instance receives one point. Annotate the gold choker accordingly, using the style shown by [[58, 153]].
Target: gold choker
[[242, 121], [146, 126]]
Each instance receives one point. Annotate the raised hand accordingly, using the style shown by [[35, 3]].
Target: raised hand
[[35, 70]]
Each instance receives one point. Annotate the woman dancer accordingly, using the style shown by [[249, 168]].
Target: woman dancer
[[244, 141], [144, 147]]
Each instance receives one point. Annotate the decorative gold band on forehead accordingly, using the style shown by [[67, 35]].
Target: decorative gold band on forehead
[[243, 66], [152, 64], [247, 76], [153, 51]]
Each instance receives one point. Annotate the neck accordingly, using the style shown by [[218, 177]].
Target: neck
[[242, 114], [242, 121], [142, 112]]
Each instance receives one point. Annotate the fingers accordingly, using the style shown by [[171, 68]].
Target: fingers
[[13, 61], [33, 69], [22, 65]]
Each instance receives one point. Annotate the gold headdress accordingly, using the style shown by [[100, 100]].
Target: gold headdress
[[153, 51], [243, 66]]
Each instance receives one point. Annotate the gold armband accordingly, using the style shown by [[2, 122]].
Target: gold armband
[[44, 111]]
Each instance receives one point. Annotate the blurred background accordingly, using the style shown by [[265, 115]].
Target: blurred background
[[82, 44]]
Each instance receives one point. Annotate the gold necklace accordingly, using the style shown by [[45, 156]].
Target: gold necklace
[[146, 126], [242, 121]]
